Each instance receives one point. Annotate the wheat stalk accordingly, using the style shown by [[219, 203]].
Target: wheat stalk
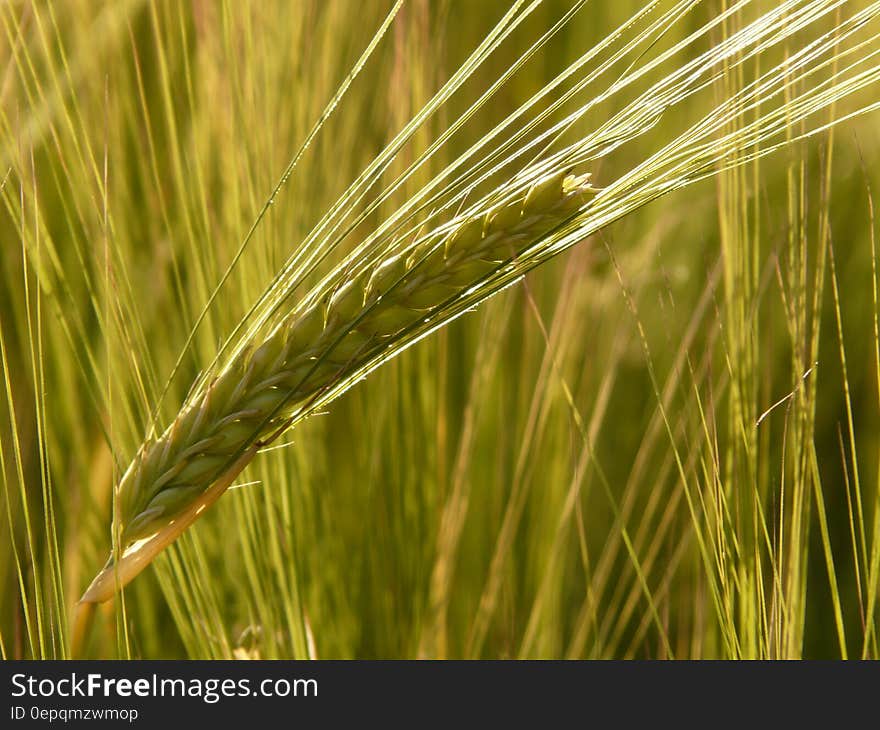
[[346, 327], [175, 477]]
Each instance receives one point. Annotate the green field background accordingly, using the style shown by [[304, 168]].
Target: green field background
[[662, 443]]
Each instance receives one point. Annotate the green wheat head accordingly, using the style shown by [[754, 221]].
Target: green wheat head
[[251, 401]]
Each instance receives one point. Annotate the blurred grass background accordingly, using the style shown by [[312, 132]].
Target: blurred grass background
[[587, 466]]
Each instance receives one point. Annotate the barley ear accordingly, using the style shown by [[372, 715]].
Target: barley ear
[[176, 477]]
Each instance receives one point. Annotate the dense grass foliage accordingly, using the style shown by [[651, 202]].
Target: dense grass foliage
[[659, 438]]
